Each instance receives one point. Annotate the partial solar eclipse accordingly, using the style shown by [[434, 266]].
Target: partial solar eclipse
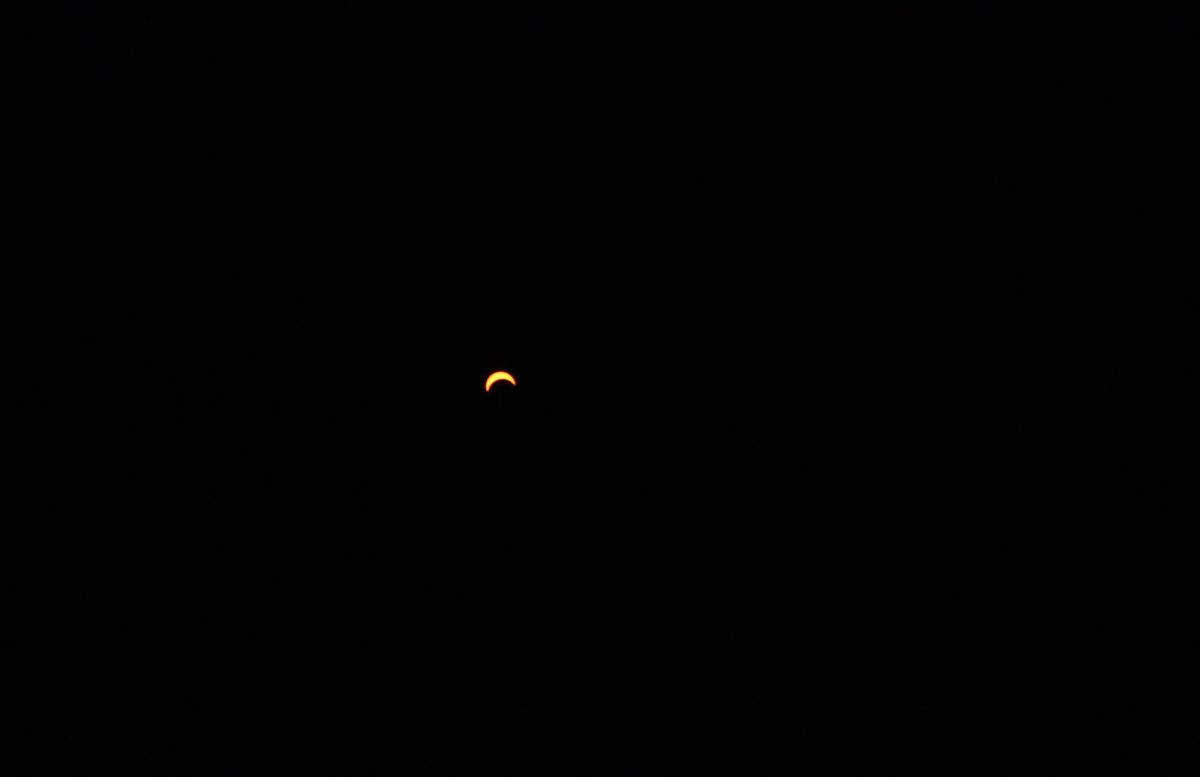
[[495, 376]]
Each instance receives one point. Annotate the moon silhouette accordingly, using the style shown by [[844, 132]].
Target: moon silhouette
[[495, 376]]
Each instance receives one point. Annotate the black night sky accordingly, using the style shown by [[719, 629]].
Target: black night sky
[[752, 506]]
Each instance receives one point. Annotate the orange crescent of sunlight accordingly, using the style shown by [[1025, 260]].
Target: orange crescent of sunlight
[[495, 376]]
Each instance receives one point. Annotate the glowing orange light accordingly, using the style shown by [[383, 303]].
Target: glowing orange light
[[495, 376]]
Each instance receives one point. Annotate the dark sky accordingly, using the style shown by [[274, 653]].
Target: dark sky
[[763, 281]]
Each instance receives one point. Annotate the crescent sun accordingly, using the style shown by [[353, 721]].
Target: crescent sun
[[495, 376]]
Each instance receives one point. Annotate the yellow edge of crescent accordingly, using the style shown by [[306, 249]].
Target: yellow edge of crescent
[[495, 376]]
